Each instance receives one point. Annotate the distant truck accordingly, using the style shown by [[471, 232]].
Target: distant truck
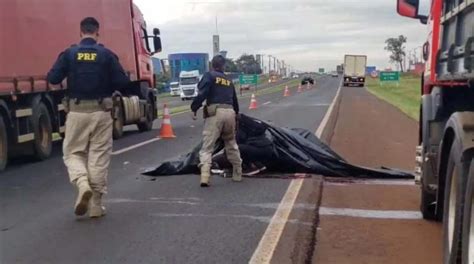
[[188, 84], [174, 89], [30, 109], [445, 151], [340, 69], [354, 70]]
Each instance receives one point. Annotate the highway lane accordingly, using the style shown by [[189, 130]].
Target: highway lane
[[169, 219], [175, 101]]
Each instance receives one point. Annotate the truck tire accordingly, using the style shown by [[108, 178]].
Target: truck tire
[[456, 173], [117, 130], [468, 220], [148, 124], [428, 204], [42, 129], [3, 145]]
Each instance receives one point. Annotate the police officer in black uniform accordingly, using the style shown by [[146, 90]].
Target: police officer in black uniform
[[220, 113], [93, 73]]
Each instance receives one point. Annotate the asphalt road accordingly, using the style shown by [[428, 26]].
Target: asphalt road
[[175, 101], [166, 220]]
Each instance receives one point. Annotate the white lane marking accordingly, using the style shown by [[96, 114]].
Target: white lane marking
[[266, 246], [379, 214], [373, 182], [120, 151], [269, 102], [269, 241]]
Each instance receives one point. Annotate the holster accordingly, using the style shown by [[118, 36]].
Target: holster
[[210, 110]]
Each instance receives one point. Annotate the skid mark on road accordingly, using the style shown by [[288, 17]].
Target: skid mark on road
[[198, 202], [263, 219], [379, 214]]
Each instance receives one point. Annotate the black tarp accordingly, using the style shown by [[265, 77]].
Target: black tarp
[[288, 150]]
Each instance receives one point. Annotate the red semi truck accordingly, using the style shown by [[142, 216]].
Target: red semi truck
[[32, 34], [445, 166]]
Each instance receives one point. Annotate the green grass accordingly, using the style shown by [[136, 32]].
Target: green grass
[[405, 96]]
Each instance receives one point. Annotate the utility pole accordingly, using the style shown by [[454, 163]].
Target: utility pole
[[283, 67], [274, 64], [269, 63]]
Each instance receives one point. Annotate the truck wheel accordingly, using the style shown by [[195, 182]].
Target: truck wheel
[[456, 173], [117, 131], [148, 124], [3, 145], [468, 221], [42, 129]]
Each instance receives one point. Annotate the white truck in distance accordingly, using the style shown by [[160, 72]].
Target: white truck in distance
[[174, 89], [354, 70], [188, 84]]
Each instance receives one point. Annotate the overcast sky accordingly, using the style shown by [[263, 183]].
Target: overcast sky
[[307, 34]]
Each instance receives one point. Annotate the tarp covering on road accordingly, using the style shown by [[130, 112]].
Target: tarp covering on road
[[281, 150]]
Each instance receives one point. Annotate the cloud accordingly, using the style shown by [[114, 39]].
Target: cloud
[[307, 34]]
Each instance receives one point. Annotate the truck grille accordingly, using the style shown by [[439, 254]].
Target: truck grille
[[188, 92]]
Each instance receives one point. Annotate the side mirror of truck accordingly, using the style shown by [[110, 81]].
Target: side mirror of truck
[[408, 8], [156, 40], [411, 9]]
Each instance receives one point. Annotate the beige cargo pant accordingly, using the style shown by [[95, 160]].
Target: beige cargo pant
[[222, 125], [87, 147]]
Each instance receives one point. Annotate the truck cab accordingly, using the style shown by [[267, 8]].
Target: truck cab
[[188, 84], [174, 89], [445, 154]]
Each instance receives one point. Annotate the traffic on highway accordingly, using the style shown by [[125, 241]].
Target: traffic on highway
[[135, 131]]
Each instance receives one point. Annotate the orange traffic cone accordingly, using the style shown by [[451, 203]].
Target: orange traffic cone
[[253, 102], [287, 91], [299, 88], [166, 130]]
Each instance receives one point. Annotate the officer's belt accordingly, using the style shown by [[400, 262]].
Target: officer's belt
[[89, 106], [222, 106]]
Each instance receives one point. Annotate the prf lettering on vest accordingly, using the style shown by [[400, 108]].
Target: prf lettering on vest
[[222, 81], [86, 56]]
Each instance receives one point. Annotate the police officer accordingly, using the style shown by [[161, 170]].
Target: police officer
[[220, 113], [93, 74]]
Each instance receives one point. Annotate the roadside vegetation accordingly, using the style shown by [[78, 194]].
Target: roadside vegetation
[[405, 96]]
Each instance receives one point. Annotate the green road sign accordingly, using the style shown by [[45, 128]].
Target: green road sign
[[389, 76], [321, 70], [248, 79]]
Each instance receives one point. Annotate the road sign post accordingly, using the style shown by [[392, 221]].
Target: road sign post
[[248, 79], [386, 76]]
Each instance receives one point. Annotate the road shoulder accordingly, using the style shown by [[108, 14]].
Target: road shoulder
[[367, 221]]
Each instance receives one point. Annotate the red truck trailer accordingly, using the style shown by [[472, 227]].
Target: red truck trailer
[[32, 34], [445, 167]]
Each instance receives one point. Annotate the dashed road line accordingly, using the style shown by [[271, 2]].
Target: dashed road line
[[266, 103], [120, 151], [336, 182], [377, 214]]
